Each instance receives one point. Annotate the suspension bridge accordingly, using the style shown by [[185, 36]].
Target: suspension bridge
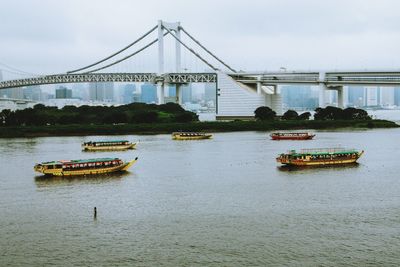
[[238, 93]]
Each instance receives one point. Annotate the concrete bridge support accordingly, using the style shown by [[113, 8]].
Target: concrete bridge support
[[160, 93], [276, 101], [322, 89], [179, 94], [340, 97]]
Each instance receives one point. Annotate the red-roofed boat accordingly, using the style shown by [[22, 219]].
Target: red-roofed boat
[[292, 136]]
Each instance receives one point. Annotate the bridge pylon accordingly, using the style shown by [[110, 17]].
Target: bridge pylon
[[176, 28]]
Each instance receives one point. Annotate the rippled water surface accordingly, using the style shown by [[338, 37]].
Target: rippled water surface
[[219, 202]]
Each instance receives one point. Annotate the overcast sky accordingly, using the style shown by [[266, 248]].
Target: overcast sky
[[46, 36]]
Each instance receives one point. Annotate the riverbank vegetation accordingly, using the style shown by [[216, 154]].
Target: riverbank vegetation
[[140, 118], [41, 115], [167, 128]]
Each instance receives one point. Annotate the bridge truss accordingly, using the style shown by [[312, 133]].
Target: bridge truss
[[174, 78]]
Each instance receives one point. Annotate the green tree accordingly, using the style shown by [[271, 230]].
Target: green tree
[[145, 117], [290, 115], [328, 113], [264, 113], [355, 114], [304, 116], [186, 117]]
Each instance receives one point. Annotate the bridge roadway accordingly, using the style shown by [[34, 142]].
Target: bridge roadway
[[174, 78], [329, 79]]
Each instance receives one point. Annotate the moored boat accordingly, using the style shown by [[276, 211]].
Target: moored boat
[[190, 136], [292, 136], [319, 157], [83, 167], [112, 145]]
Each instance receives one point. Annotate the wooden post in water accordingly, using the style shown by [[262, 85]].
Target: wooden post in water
[[95, 213]]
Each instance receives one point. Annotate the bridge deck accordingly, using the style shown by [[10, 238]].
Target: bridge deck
[[385, 78], [112, 77]]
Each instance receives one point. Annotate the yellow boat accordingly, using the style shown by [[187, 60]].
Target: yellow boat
[[320, 157], [190, 136], [83, 167], [108, 145]]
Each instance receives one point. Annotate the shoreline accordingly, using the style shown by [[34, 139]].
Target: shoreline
[[167, 128]]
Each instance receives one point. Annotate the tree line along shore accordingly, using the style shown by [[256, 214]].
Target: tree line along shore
[[140, 118]]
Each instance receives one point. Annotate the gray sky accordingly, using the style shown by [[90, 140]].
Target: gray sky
[[45, 36]]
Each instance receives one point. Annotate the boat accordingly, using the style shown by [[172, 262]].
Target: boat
[[190, 136], [292, 136], [83, 166], [108, 145], [319, 157]]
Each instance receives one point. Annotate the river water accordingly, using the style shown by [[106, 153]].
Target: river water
[[219, 202]]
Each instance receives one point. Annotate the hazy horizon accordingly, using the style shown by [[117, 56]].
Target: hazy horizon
[[45, 37]]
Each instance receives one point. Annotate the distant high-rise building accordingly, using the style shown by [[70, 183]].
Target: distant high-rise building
[[63, 92], [371, 96], [149, 93], [171, 91], [187, 92], [299, 97], [80, 91], [386, 96], [170, 95], [128, 92], [210, 91], [397, 96], [33, 93], [17, 93], [4, 92], [103, 92], [355, 96]]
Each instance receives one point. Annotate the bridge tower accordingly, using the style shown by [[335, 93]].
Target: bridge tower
[[176, 28]]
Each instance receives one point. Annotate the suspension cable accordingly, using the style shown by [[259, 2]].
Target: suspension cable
[[116, 53], [208, 51], [20, 73], [128, 56], [191, 50], [17, 71]]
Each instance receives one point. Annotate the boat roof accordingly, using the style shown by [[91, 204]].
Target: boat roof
[[322, 151], [109, 141], [291, 133], [78, 161], [174, 133]]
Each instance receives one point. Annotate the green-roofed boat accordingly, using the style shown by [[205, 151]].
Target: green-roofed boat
[[83, 167], [111, 145], [319, 157]]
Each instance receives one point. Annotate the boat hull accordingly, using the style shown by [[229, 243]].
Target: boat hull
[[94, 171], [109, 148], [319, 162], [200, 137], [308, 137]]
